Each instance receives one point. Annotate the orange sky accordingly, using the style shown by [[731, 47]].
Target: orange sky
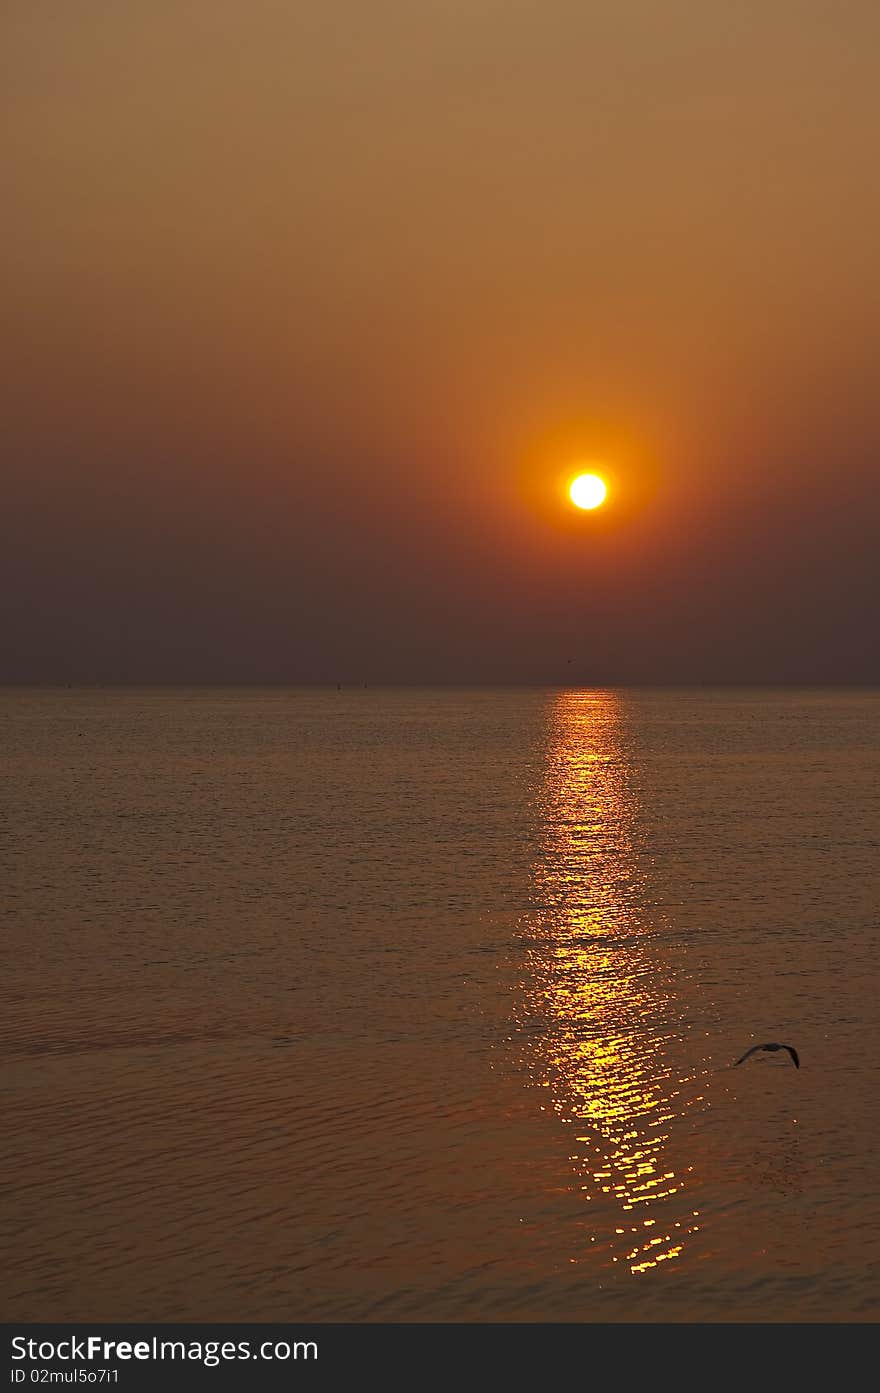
[[309, 306]]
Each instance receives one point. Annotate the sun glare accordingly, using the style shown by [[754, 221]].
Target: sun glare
[[587, 491]]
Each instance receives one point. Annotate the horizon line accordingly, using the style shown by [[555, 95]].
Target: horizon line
[[463, 685]]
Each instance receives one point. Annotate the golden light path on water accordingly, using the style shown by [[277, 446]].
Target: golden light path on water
[[600, 1021]]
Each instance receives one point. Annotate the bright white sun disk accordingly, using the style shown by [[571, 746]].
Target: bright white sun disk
[[587, 491]]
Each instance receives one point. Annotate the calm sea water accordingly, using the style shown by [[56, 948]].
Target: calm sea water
[[421, 1005]]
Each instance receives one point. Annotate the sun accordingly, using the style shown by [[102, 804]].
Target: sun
[[587, 491]]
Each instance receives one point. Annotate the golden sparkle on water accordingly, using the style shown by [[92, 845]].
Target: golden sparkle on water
[[587, 491], [598, 1004]]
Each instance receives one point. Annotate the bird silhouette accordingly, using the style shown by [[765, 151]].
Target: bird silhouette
[[772, 1047]]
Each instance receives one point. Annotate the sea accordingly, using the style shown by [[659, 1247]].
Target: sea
[[424, 1005]]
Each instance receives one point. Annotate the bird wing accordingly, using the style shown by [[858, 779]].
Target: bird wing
[[794, 1054], [745, 1056]]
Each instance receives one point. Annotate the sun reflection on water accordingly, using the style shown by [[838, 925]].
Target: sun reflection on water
[[599, 1017]]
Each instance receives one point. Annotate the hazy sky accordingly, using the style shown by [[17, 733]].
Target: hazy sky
[[312, 307]]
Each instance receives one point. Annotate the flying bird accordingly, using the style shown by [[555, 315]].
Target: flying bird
[[772, 1047]]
